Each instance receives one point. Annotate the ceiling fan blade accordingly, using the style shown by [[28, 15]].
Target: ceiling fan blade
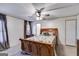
[[42, 9]]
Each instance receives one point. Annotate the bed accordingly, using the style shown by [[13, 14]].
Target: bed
[[42, 45]]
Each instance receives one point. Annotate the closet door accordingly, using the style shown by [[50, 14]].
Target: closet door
[[71, 32]]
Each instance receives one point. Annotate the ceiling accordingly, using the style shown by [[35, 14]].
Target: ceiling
[[26, 10]]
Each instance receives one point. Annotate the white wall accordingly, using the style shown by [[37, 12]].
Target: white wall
[[78, 27], [15, 30]]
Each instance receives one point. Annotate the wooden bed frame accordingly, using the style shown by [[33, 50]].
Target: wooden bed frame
[[39, 48], [53, 30]]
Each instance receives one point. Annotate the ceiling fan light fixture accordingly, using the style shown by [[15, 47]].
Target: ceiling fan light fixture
[[41, 18], [38, 18], [37, 14]]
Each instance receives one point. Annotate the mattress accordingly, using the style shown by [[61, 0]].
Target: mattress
[[43, 39]]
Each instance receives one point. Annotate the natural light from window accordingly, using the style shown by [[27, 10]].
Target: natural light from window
[[1, 36], [38, 26]]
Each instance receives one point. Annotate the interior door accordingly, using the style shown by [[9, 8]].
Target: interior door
[[71, 32]]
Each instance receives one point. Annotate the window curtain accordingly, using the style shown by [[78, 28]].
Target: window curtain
[[27, 28], [4, 42], [30, 23]]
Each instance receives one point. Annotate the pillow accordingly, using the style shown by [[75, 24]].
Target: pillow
[[46, 33], [50, 33], [43, 32]]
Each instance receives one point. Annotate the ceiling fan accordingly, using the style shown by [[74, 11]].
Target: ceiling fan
[[38, 12]]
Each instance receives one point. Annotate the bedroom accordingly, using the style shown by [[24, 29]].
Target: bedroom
[[24, 20]]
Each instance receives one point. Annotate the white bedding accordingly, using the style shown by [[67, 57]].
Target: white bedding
[[43, 39]]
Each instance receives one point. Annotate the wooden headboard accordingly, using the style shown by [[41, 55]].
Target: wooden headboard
[[53, 30]]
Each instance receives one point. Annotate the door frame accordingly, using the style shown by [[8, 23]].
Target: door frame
[[75, 31]]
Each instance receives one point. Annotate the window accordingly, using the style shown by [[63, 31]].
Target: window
[[4, 44], [1, 36], [38, 26], [28, 29], [2, 32]]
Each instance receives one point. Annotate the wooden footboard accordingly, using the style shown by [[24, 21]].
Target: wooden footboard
[[37, 48]]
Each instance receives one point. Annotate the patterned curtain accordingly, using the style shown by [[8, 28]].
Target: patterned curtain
[[4, 42]]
